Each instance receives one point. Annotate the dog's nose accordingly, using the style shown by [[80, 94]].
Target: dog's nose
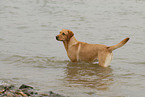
[[56, 37]]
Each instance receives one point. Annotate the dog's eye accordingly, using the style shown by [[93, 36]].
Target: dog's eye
[[63, 34]]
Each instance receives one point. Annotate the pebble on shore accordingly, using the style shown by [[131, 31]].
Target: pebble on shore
[[23, 91]]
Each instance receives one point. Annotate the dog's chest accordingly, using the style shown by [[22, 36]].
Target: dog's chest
[[72, 53]]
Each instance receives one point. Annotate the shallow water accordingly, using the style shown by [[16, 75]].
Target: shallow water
[[29, 53]]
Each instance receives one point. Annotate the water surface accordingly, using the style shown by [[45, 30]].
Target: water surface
[[29, 53]]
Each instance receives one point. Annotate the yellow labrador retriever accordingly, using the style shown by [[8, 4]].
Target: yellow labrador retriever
[[81, 51]]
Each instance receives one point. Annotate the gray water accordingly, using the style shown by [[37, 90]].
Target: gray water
[[29, 53]]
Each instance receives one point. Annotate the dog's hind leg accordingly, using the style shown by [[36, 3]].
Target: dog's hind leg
[[105, 59], [108, 59]]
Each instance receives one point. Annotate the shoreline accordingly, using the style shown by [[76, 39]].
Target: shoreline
[[24, 91]]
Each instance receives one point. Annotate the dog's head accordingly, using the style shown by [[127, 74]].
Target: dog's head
[[64, 35]]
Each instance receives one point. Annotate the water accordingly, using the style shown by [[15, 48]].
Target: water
[[29, 53]]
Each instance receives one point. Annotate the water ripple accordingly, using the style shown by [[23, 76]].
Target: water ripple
[[35, 61]]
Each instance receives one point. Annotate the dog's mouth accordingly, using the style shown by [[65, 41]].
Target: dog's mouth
[[57, 38]]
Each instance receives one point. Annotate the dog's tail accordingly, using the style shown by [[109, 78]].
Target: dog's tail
[[111, 48]]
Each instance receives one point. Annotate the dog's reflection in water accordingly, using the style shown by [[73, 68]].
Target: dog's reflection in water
[[89, 75]]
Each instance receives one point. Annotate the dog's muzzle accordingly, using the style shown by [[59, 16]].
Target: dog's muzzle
[[57, 37]]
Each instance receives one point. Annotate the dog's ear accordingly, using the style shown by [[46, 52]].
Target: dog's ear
[[70, 34]]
